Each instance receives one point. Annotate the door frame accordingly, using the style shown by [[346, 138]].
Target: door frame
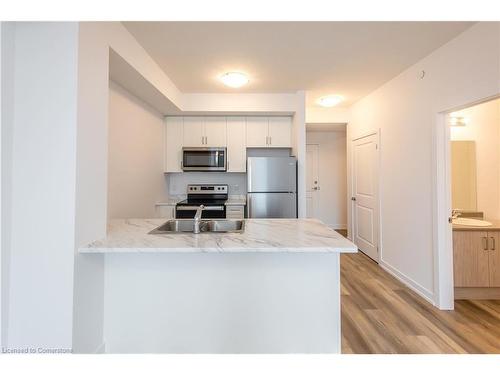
[[319, 179], [350, 178], [444, 294]]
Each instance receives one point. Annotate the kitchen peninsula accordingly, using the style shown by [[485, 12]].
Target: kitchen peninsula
[[274, 288]]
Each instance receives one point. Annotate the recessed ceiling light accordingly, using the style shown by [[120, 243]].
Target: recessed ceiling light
[[330, 100], [234, 79]]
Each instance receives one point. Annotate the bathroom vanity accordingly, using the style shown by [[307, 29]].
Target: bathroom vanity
[[476, 261]]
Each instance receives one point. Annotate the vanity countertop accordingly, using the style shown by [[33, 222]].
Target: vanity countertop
[[495, 226]]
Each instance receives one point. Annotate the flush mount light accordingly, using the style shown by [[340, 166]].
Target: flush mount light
[[330, 100], [234, 79]]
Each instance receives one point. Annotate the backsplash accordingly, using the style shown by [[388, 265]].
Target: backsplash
[[177, 182]]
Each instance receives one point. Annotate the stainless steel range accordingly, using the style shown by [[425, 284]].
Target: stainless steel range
[[212, 197]]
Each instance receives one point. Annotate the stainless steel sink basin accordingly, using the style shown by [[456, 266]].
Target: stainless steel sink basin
[[206, 226]]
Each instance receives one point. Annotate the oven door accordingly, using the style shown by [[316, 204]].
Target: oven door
[[204, 159], [209, 212]]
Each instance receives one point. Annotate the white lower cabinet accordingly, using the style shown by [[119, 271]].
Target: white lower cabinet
[[235, 212], [166, 211]]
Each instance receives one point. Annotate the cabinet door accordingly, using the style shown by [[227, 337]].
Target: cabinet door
[[494, 258], [470, 259], [173, 144], [235, 212], [215, 131], [236, 144], [193, 132], [280, 131], [257, 131]]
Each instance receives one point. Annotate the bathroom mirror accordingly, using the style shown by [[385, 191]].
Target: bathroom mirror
[[463, 175]]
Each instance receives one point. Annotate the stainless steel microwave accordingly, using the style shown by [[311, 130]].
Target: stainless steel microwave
[[204, 159]]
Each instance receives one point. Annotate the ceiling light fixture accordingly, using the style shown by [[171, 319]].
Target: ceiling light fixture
[[234, 79], [330, 100]]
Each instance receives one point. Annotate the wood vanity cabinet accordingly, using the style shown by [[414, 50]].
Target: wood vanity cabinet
[[476, 258]]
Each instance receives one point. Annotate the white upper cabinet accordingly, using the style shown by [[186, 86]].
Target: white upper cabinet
[[204, 132], [269, 131], [174, 127], [194, 133], [257, 131], [236, 144], [215, 132], [280, 132], [236, 133]]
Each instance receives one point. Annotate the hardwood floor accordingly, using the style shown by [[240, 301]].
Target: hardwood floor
[[381, 315]]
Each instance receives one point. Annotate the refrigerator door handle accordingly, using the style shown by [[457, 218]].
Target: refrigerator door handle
[[249, 205]]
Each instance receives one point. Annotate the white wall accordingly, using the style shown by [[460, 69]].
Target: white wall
[[43, 185], [332, 208], [135, 156], [483, 127], [7, 111], [465, 70], [321, 115]]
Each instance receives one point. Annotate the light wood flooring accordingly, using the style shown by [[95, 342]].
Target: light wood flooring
[[381, 315]]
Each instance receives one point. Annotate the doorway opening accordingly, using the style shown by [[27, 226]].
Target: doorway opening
[[474, 165], [326, 174]]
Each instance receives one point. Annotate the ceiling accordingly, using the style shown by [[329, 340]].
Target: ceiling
[[347, 58]]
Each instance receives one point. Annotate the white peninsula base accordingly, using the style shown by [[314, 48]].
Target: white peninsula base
[[273, 289]]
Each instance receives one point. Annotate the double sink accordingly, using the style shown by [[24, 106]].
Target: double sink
[[206, 226]]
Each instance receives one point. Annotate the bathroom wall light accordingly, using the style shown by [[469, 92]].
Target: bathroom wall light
[[458, 121], [234, 79], [330, 100]]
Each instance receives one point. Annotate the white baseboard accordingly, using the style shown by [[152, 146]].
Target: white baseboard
[[410, 283], [101, 349], [338, 226]]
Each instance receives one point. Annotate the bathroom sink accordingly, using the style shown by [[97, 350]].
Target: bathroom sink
[[206, 226], [471, 222]]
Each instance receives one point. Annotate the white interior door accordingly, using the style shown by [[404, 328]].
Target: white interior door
[[365, 195], [312, 180]]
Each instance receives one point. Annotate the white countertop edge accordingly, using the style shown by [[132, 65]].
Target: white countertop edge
[[188, 250]]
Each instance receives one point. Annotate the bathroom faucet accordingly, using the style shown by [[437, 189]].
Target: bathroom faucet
[[197, 219], [455, 213]]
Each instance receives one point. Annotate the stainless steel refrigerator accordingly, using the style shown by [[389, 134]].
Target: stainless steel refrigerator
[[272, 187]]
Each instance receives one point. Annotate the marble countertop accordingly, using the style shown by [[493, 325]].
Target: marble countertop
[[260, 235], [236, 200]]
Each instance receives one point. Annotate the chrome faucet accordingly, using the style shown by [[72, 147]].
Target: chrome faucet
[[197, 219], [455, 213]]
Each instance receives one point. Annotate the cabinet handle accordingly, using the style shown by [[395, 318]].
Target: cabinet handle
[[270, 140], [485, 243], [493, 243]]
